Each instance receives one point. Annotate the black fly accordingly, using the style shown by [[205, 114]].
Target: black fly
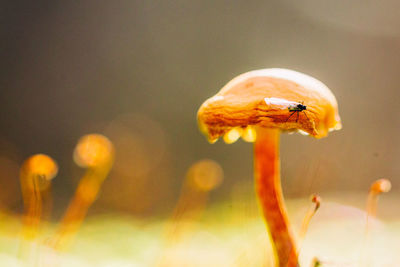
[[282, 104], [297, 108]]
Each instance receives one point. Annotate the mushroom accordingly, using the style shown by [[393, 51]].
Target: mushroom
[[377, 188], [258, 105], [36, 173], [201, 178], [96, 153]]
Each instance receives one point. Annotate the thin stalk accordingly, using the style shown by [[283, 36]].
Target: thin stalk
[[269, 191]]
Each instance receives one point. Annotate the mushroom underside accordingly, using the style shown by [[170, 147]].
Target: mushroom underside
[[216, 124]]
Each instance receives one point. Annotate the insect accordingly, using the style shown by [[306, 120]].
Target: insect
[[292, 106]]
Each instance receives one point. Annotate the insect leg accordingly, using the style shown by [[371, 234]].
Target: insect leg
[[306, 115], [297, 118], [290, 115]]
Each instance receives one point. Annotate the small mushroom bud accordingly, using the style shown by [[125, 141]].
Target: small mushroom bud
[[378, 187], [316, 203]]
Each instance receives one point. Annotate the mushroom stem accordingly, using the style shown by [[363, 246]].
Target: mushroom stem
[[96, 153], [33, 211], [269, 191], [85, 195], [316, 200], [35, 176]]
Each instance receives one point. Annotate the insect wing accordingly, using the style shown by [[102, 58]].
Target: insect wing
[[279, 103]]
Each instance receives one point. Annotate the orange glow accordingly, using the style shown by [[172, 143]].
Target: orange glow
[[205, 175], [93, 150]]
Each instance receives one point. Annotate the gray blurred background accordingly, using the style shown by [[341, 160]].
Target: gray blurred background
[[137, 71]]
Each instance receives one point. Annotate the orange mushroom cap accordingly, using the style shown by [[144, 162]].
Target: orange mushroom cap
[[381, 186], [267, 98], [93, 150], [40, 165]]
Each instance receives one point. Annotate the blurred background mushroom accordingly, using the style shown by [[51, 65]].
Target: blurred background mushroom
[[67, 73], [96, 153], [35, 177]]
